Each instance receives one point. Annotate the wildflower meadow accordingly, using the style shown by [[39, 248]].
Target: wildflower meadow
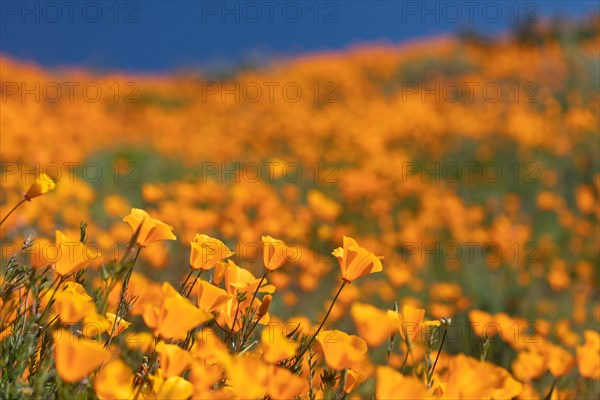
[[412, 221]]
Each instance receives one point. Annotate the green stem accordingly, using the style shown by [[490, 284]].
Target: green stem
[[60, 279], [122, 298], [11, 211], [252, 302], [151, 364], [439, 351], [237, 310], [187, 278], [194, 282], [406, 357], [249, 332], [312, 339], [114, 281]]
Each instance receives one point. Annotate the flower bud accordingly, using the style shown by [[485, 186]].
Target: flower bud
[[264, 306], [42, 185]]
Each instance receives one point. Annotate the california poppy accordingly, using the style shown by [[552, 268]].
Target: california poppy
[[42, 185], [275, 253], [341, 350], [175, 315], [173, 359], [77, 358], [207, 251], [373, 325], [71, 255], [114, 381], [210, 297], [151, 230], [356, 261], [72, 303]]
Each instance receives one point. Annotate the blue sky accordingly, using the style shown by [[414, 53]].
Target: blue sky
[[159, 36]]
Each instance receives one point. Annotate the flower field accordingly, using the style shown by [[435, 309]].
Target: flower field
[[391, 222]]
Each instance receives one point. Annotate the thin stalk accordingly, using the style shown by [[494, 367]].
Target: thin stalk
[[407, 353], [60, 280], [252, 302], [237, 310], [194, 282], [11, 211], [122, 298], [439, 351], [187, 278], [152, 362], [249, 332], [312, 339]]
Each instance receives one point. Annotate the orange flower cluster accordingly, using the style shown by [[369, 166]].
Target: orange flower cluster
[[478, 222]]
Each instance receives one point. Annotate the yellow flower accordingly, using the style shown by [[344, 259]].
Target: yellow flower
[[151, 230], [173, 388], [468, 378], [207, 251], [72, 303], [71, 255], [411, 322], [94, 324], [210, 297], [391, 384], [173, 359], [239, 279], [209, 348], [114, 381], [276, 347], [121, 325], [76, 358], [588, 358], [247, 376], [275, 253], [282, 384], [560, 361], [42, 185], [175, 316], [341, 350], [373, 324], [530, 364], [356, 261], [353, 379]]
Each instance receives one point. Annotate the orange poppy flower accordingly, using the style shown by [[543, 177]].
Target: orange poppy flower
[[353, 379], [175, 316], [341, 350], [173, 359], [76, 358], [152, 230], [114, 381], [282, 384], [356, 261], [468, 378], [588, 355], [210, 297], [276, 347], [70, 255], [42, 185], [275, 253], [207, 251], [391, 384], [121, 324], [241, 280], [174, 387], [373, 324], [560, 360], [73, 304], [247, 375], [410, 321]]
